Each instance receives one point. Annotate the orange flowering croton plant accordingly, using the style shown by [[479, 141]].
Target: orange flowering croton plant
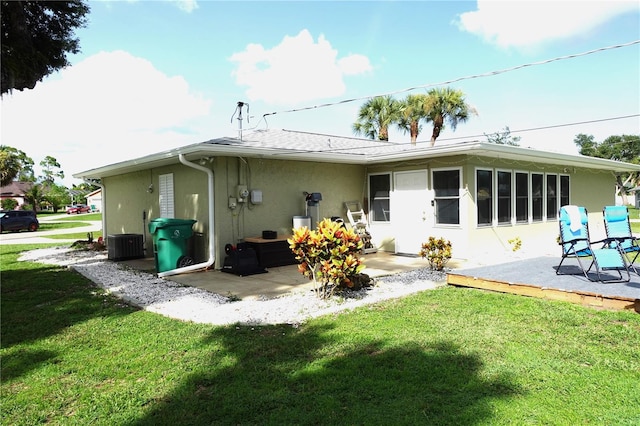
[[327, 255]]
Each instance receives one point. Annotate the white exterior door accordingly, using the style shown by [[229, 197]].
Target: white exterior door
[[410, 205]]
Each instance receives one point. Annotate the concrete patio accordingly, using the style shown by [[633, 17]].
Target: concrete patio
[[278, 280], [528, 276]]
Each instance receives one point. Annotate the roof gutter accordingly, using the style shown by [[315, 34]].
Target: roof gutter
[[211, 259]]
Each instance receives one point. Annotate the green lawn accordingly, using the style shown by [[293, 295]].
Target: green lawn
[[74, 355], [70, 222]]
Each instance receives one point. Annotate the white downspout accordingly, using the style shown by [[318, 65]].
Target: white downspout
[[211, 259]]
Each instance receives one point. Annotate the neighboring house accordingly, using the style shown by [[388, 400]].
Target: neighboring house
[[15, 190], [478, 195], [94, 200]]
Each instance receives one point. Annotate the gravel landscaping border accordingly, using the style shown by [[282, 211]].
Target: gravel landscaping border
[[166, 297]]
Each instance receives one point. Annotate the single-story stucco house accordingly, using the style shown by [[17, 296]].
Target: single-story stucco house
[[94, 200], [16, 190], [476, 194]]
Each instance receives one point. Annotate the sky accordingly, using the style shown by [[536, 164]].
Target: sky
[[157, 75]]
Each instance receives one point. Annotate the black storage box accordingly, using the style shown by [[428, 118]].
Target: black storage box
[[269, 235]]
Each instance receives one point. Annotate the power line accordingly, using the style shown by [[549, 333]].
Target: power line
[[487, 74], [472, 138], [554, 126]]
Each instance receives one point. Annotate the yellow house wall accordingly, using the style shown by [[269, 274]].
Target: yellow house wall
[[127, 196], [282, 183], [589, 188]]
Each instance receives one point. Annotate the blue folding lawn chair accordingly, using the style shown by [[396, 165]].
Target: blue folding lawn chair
[[618, 226], [575, 243]]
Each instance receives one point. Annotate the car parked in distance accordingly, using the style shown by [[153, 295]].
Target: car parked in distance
[[17, 220], [79, 208]]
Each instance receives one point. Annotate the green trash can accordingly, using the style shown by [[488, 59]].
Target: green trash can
[[170, 242]]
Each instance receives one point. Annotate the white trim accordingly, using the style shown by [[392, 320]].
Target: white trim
[[166, 196]]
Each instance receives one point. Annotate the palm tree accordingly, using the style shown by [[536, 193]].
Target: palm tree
[[447, 105], [413, 110], [375, 117], [34, 196]]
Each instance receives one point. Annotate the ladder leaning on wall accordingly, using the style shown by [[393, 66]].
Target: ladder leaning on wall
[[359, 223]]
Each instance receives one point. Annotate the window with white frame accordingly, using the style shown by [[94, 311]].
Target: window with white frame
[[511, 197], [504, 194], [379, 190], [522, 197], [165, 195], [484, 197], [537, 196], [552, 196], [446, 192], [564, 190]]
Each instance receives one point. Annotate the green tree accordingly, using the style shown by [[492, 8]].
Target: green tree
[[57, 196], [413, 110], [625, 148], [447, 106], [15, 165], [587, 144], [36, 37], [35, 196], [51, 169], [375, 117], [503, 138], [84, 187], [9, 204]]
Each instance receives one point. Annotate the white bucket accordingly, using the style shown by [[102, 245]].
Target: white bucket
[[300, 221]]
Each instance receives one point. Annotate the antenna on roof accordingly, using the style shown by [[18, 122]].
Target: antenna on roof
[[239, 111]]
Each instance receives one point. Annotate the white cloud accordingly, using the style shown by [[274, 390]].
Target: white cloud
[[297, 70], [354, 64], [186, 5], [525, 23], [110, 107]]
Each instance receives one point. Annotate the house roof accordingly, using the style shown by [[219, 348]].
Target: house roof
[[93, 193], [303, 146], [15, 189]]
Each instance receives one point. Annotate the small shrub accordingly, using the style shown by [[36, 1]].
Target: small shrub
[[329, 256], [9, 204], [437, 252]]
